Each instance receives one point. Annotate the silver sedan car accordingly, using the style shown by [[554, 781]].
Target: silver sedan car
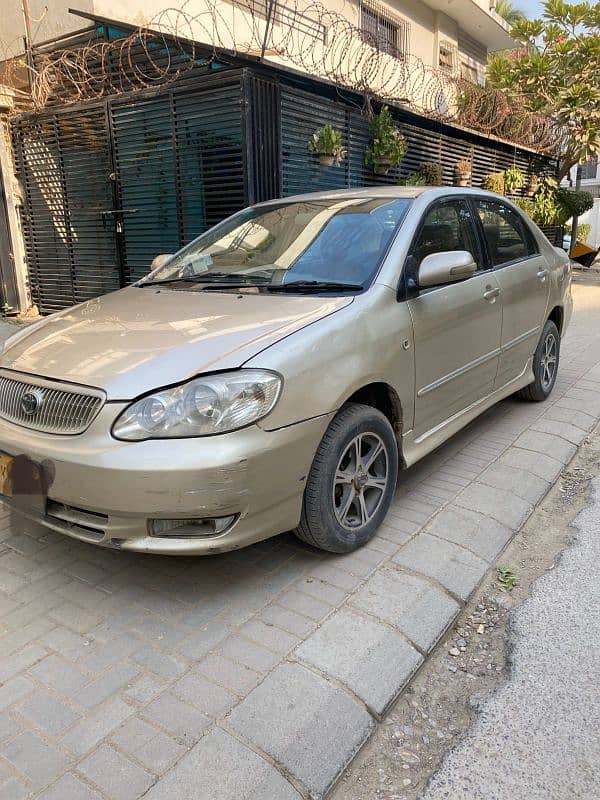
[[279, 371]]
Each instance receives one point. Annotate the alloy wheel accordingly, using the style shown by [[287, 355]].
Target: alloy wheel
[[360, 481], [548, 361]]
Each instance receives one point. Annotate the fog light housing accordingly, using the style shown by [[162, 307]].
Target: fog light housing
[[190, 528]]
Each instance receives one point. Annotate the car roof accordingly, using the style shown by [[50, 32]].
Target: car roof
[[407, 192]]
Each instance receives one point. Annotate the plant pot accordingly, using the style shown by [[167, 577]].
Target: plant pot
[[462, 178], [326, 160], [533, 186], [383, 167]]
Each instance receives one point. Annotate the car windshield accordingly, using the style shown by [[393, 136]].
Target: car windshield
[[310, 242]]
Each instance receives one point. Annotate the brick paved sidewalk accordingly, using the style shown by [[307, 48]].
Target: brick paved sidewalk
[[260, 673]]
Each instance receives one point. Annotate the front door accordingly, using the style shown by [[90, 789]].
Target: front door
[[456, 326], [523, 277]]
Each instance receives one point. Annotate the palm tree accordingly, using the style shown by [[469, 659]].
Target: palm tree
[[508, 12]]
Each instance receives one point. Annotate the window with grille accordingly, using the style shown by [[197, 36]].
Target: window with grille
[[468, 72], [446, 57], [383, 29], [589, 169]]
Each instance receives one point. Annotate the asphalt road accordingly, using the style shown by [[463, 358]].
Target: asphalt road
[[538, 737]]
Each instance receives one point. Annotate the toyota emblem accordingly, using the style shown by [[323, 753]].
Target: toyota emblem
[[31, 402]]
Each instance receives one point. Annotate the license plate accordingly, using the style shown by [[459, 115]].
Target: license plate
[[6, 487]]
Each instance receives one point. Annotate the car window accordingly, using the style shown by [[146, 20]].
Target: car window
[[505, 233], [447, 226]]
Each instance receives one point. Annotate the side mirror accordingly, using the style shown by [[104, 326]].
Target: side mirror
[[448, 267], [159, 261]]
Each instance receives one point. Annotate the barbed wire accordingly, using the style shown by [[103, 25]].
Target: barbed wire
[[306, 36]]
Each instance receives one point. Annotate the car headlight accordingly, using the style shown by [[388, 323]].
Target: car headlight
[[201, 407]]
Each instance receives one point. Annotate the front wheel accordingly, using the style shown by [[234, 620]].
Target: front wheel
[[545, 365], [351, 481]]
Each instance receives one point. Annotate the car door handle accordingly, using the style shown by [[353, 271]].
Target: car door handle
[[542, 275], [491, 293]]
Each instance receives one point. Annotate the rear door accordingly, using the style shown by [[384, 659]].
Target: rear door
[[524, 280], [456, 326]]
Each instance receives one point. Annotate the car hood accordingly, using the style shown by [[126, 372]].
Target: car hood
[[138, 339]]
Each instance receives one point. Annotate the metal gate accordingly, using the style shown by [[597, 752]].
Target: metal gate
[[110, 185]]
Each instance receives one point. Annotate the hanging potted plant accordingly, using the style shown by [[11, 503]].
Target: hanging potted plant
[[462, 172], [327, 143], [513, 179], [387, 146], [494, 182], [431, 173], [533, 185]]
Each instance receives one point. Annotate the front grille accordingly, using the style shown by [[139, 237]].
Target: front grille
[[48, 406]]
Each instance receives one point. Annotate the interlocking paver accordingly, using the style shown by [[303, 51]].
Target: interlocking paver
[[305, 723], [152, 748], [209, 697], [14, 690], [482, 535], [199, 774], [8, 727], [117, 677], [204, 639], [369, 658], [230, 674], [34, 758], [13, 789], [58, 674], [542, 465], [99, 723], [545, 443], [116, 775], [70, 787], [499, 504], [48, 713], [305, 604], [419, 609], [284, 619], [457, 569], [177, 717]]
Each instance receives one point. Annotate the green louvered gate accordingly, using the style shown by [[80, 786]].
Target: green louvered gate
[[110, 185]]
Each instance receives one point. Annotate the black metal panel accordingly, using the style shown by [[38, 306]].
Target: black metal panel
[[179, 163], [209, 149], [263, 139], [144, 150], [63, 162], [301, 115]]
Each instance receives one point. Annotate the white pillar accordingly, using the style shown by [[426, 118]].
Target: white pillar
[[12, 196]]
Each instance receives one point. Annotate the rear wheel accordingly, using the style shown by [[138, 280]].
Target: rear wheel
[[351, 481], [545, 365]]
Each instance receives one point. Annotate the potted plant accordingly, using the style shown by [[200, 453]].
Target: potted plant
[[431, 173], [328, 144], [513, 179], [462, 172], [494, 182], [412, 179], [533, 185], [387, 146]]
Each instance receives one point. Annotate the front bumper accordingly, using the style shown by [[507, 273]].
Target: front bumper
[[104, 491]]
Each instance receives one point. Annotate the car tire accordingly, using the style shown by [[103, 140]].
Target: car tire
[[351, 482], [545, 365]]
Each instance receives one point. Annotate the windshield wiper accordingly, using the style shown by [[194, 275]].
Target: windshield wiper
[[216, 278], [314, 286]]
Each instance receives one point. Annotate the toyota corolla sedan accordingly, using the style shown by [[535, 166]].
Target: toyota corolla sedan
[[279, 371]]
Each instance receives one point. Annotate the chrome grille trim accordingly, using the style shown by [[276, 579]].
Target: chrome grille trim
[[66, 408]]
